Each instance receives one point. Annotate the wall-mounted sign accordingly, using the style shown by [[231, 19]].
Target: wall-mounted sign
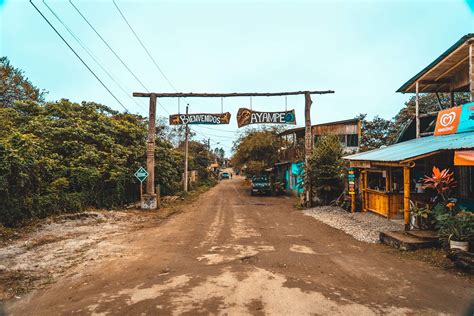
[[200, 118], [458, 119], [247, 116]]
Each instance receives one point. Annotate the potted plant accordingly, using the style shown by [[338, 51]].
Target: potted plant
[[457, 229]]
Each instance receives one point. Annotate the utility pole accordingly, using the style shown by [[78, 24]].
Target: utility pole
[[149, 199], [186, 145]]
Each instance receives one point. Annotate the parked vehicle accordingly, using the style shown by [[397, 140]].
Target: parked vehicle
[[261, 185], [224, 175]]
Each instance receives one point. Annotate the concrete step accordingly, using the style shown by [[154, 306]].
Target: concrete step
[[405, 241], [424, 234]]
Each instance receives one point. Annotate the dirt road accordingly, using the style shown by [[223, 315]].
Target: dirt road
[[236, 254]]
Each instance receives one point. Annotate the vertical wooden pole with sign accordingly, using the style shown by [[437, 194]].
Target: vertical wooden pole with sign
[[149, 199], [186, 152], [406, 197], [308, 146]]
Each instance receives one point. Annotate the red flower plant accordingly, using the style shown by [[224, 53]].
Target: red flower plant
[[441, 181]]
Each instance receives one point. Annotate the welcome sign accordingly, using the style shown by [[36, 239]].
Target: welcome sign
[[247, 116], [200, 118], [458, 119]]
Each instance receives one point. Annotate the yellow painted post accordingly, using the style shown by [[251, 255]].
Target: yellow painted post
[[406, 197]]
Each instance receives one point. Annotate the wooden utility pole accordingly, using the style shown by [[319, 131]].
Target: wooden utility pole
[[149, 199], [308, 146], [186, 149], [417, 110]]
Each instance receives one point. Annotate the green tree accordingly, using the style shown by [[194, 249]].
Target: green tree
[[256, 149], [375, 133], [14, 86], [325, 168]]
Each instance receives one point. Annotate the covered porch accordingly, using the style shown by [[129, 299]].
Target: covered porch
[[390, 177]]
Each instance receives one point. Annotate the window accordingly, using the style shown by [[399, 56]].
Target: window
[[352, 140]]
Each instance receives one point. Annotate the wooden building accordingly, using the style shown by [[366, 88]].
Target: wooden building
[[390, 177], [452, 72], [290, 166]]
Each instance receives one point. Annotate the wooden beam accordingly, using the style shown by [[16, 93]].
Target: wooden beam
[[406, 197], [308, 145], [471, 70], [227, 95], [452, 67]]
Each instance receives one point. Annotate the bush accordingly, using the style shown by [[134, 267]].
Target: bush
[[62, 157], [325, 169]]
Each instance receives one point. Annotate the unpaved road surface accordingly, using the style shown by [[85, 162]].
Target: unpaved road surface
[[230, 253]]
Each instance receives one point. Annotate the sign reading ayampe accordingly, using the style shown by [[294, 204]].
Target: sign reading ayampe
[[248, 116]]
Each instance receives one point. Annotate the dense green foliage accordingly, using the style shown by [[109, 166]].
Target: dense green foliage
[[257, 150], [326, 168], [62, 156], [14, 86]]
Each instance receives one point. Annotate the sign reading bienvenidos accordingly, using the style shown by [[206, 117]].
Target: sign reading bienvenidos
[[200, 118], [247, 116]]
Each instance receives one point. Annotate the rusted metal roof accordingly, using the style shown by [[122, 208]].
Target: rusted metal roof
[[416, 147]]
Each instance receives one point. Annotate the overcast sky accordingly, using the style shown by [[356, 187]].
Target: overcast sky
[[364, 50]]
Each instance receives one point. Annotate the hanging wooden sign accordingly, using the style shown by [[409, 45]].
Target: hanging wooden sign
[[247, 116], [200, 118]]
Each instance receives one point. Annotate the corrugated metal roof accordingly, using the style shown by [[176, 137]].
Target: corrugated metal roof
[[417, 147]]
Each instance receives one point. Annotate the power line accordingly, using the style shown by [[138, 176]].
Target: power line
[[77, 55], [108, 46], [144, 47], [114, 52], [88, 51]]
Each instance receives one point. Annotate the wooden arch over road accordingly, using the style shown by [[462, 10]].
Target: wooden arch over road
[[149, 200]]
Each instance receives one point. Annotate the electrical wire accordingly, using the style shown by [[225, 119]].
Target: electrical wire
[[115, 53], [77, 55], [89, 52], [108, 46], [144, 47]]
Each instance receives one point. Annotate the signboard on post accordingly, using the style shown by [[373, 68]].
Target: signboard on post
[[141, 174], [247, 116], [200, 118]]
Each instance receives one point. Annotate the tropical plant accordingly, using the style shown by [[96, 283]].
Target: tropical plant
[[325, 168], [441, 181], [459, 227]]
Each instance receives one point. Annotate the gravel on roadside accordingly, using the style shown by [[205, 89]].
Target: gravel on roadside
[[362, 226]]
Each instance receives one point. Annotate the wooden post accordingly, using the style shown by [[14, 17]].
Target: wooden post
[[406, 197], [308, 146], [149, 199], [186, 146], [451, 98], [353, 203], [471, 70], [141, 192], [417, 110]]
